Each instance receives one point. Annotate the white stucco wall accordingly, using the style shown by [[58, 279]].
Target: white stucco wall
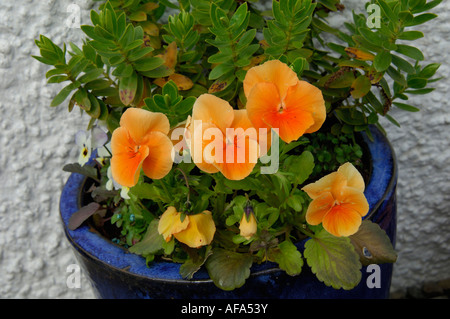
[[36, 141]]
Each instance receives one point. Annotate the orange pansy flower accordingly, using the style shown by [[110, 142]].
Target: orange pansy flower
[[140, 142], [223, 139], [338, 201], [277, 99]]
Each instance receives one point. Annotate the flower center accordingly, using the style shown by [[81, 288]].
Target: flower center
[[281, 107], [133, 150]]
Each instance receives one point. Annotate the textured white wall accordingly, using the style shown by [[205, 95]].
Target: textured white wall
[[36, 141]]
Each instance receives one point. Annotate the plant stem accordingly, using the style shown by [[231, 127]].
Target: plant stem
[[304, 230]]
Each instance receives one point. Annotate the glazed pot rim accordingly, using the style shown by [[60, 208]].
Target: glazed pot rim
[[382, 157]]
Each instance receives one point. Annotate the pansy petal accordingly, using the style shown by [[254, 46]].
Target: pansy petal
[[353, 176], [292, 123], [203, 146], [307, 98], [263, 100], [273, 71], [200, 231], [81, 138], [265, 109], [240, 148], [318, 208], [210, 109], [323, 185], [240, 157], [159, 162], [140, 122], [235, 171], [170, 223], [98, 137], [341, 221], [353, 198], [127, 160], [338, 185]]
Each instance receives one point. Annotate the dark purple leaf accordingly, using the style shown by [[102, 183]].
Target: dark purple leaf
[[84, 213]]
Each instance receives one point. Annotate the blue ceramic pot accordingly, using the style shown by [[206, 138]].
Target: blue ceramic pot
[[116, 273]]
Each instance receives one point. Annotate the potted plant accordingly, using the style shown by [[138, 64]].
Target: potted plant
[[237, 153]]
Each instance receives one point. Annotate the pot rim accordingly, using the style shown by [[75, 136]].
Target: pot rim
[[382, 155]]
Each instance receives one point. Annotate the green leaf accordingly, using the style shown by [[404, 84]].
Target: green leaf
[[149, 191], [392, 120], [417, 83], [396, 76], [193, 264], [428, 71], [403, 65], [228, 269], [333, 260], [382, 61], [373, 245], [90, 75], [371, 36], [159, 72], [148, 64], [151, 243], [170, 89], [140, 53], [388, 11], [240, 15], [123, 70], [133, 45], [220, 57], [112, 121], [420, 91], [301, 167], [185, 106], [420, 19], [220, 70], [288, 258], [64, 93], [138, 16], [426, 6], [295, 202], [169, 4], [406, 107], [299, 65], [360, 87], [95, 110], [410, 51], [410, 35]]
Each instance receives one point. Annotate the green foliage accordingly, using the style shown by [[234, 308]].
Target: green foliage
[[356, 83], [228, 269], [333, 260], [333, 149], [171, 103], [287, 31]]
